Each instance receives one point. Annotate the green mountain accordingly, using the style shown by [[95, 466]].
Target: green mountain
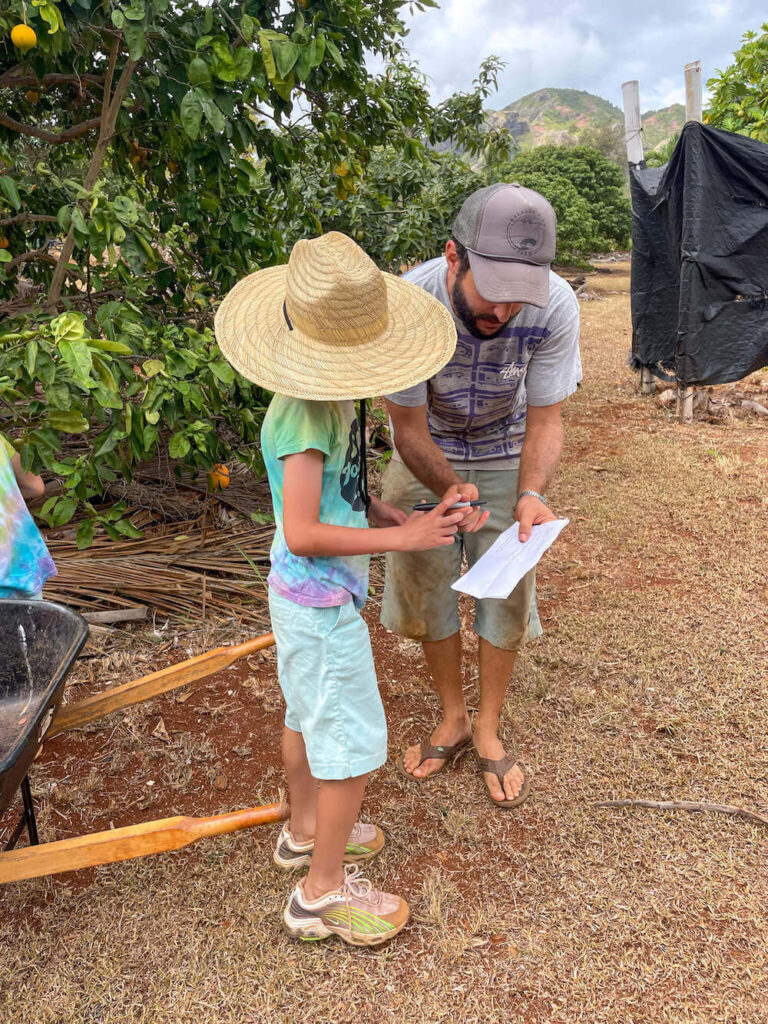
[[571, 116]]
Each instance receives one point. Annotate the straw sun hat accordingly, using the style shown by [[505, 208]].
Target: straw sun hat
[[330, 325]]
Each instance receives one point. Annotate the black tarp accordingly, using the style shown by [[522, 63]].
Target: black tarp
[[700, 259]]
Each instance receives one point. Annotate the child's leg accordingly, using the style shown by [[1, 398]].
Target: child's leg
[[302, 787], [338, 804]]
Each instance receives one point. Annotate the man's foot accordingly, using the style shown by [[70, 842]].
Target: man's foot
[[356, 912], [365, 842], [444, 735], [513, 779]]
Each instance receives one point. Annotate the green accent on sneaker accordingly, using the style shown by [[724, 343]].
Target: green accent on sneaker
[[358, 919]]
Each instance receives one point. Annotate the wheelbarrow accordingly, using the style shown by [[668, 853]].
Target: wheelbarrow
[[39, 641]]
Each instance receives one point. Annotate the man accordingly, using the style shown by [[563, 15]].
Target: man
[[489, 421]]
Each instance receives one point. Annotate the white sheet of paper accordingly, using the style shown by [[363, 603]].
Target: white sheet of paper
[[505, 563]]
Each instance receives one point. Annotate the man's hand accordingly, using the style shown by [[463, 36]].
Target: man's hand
[[529, 512], [382, 514], [474, 518]]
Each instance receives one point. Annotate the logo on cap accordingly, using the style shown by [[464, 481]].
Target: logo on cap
[[526, 234]]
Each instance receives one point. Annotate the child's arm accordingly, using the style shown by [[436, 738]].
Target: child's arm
[[30, 484], [306, 536]]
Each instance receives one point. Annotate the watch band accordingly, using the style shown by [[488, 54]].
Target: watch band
[[532, 494]]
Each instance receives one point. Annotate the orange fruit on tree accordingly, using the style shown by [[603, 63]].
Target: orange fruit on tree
[[218, 478], [4, 243], [33, 96], [23, 37]]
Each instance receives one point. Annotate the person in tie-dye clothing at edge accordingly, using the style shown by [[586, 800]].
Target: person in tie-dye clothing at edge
[[25, 562], [489, 423]]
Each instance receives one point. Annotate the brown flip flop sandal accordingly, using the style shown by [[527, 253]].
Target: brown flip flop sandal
[[428, 752], [499, 769]]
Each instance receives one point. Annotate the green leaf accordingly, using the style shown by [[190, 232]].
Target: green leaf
[[79, 358], [104, 373], [223, 371], [64, 217], [68, 327], [85, 534], [79, 220], [191, 113], [266, 52], [286, 54], [109, 346], [134, 36], [178, 446], [152, 367], [127, 529], [198, 72], [63, 512], [243, 62], [338, 60], [136, 11], [8, 185], [125, 210], [248, 26], [5, 256], [70, 422], [118, 19], [30, 356], [213, 115]]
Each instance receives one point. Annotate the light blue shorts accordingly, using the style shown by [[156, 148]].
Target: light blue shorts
[[326, 672]]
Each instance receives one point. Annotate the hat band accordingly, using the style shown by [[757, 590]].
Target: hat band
[[505, 259]]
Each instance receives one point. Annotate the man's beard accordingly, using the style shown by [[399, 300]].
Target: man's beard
[[462, 310]]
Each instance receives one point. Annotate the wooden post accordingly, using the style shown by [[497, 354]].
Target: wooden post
[[693, 112], [633, 138], [633, 129]]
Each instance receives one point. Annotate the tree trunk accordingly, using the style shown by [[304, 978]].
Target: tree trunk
[[110, 108]]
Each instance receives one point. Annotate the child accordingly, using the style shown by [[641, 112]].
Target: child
[[25, 563], [321, 332]]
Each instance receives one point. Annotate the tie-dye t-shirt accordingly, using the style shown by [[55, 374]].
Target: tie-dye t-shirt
[[25, 563], [290, 427]]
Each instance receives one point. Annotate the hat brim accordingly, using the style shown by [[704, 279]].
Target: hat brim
[[510, 281], [253, 335]]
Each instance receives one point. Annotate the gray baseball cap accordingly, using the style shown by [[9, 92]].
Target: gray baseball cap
[[509, 233]]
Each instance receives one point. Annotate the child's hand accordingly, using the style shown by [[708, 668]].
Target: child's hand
[[425, 530], [382, 514]]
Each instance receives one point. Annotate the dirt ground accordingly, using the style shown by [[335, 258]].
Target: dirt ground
[[650, 682]]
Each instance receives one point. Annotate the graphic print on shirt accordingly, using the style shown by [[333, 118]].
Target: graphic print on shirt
[[473, 397], [349, 478]]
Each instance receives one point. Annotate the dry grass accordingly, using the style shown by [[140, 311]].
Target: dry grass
[[649, 682]]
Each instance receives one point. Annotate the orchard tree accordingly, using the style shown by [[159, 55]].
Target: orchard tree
[[152, 153], [739, 95], [594, 179]]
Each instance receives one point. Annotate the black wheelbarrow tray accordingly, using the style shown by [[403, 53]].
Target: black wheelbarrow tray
[[39, 641]]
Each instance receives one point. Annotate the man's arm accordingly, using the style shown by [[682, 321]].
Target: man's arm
[[417, 449], [538, 460], [427, 463]]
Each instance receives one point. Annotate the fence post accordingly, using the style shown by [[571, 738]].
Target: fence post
[[633, 138], [693, 112]]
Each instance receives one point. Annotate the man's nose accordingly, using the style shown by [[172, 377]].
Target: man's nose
[[503, 311]]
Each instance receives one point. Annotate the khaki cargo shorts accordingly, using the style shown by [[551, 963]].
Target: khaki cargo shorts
[[418, 601]]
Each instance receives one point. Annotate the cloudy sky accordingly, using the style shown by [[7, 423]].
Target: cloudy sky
[[580, 44]]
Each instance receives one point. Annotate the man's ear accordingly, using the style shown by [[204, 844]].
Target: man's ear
[[451, 256]]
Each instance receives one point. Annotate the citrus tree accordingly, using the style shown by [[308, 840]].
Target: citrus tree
[[739, 95], [587, 191], [151, 153]]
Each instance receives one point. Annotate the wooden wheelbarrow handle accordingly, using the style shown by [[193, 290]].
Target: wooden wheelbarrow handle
[[73, 715], [126, 843]]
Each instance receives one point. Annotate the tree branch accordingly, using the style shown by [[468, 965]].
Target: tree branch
[[56, 138], [12, 80], [687, 805], [21, 217]]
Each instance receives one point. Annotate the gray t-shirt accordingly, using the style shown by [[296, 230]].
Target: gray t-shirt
[[476, 404]]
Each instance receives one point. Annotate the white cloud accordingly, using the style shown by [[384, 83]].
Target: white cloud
[[579, 44]]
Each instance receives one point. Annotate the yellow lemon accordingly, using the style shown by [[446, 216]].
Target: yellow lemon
[[23, 37]]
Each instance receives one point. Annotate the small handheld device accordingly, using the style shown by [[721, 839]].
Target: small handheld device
[[428, 506]]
